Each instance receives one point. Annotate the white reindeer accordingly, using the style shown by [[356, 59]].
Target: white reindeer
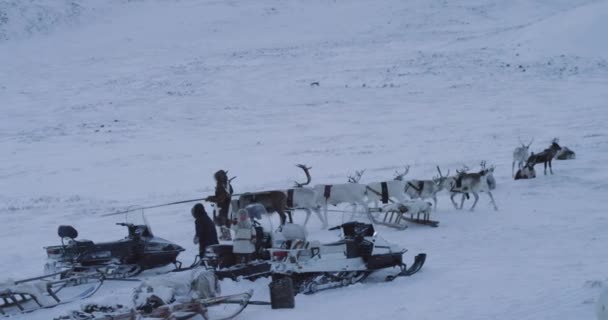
[[352, 193], [427, 189], [520, 155], [476, 182], [395, 189], [304, 198]]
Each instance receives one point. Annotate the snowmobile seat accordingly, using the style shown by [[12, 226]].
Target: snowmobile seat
[[67, 232]]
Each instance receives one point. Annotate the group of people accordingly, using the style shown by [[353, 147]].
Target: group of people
[[206, 233]]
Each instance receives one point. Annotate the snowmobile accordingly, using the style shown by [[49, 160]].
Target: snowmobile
[[314, 267], [124, 258]]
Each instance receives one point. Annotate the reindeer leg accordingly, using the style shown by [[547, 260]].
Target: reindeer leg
[[307, 216], [550, 167], [452, 195], [282, 216], [462, 201], [325, 213], [290, 217], [320, 216], [513, 168], [435, 201], [492, 199], [545, 167], [476, 199]]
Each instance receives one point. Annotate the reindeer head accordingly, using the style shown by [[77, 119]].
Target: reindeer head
[[308, 178], [554, 145], [357, 177], [441, 179], [399, 175], [526, 146], [486, 170]]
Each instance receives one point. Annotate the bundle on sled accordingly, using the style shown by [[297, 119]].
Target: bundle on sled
[[127, 257], [396, 215], [45, 292], [174, 296], [248, 256], [314, 267]]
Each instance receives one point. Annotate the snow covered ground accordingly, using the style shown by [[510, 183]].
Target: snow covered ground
[[104, 106]]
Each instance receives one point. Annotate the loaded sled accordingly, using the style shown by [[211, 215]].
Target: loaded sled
[[24, 296], [396, 215]]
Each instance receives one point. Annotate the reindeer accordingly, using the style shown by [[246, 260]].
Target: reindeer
[[527, 172], [352, 193], [273, 201], [546, 156], [302, 197], [425, 189], [565, 154], [520, 155], [465, 183], [385, 190]]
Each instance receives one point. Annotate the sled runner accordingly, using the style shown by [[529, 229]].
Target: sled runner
[[396, 215], [32, 294]]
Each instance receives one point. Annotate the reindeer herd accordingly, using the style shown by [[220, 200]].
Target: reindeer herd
[[398, 190], [526, 160]]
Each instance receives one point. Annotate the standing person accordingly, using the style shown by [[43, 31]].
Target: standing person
[[243, 245], [206, 234], [222, 197]]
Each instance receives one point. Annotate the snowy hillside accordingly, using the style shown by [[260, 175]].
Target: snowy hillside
[[106, 105]]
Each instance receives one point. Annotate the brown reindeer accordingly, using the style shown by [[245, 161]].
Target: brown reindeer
[[283, 201], [273, 201], [546, 156]]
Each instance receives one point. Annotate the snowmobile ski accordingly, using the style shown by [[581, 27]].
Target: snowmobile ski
[[414, 268]]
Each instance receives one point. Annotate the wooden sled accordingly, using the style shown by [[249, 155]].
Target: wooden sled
[[398, 220]]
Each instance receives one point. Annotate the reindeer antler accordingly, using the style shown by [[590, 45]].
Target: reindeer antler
[[529, 144], [483, 164], [441, 176], [357, 177], [308, 178], [399, 176], [521, 142]]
